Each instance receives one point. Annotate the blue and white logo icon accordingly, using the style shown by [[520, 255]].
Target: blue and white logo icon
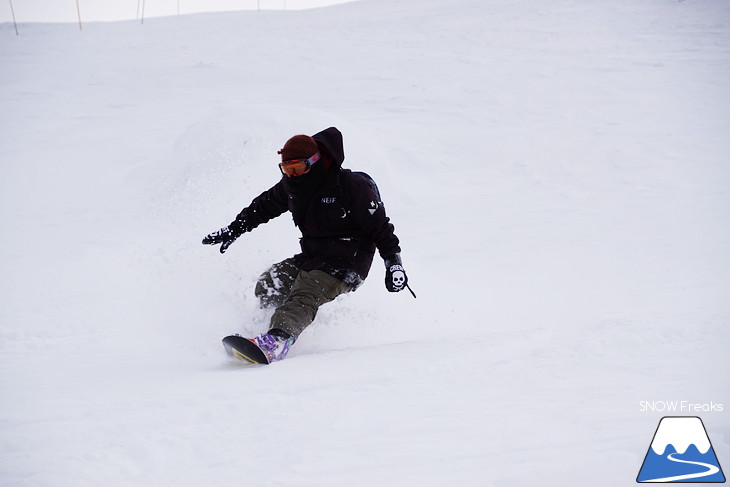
[[681, 452]]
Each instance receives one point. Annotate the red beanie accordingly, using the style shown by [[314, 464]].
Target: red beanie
[[299, 147]]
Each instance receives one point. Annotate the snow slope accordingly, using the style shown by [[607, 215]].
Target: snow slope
[[557, 173]]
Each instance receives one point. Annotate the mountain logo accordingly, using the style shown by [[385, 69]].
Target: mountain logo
[[681, 452]]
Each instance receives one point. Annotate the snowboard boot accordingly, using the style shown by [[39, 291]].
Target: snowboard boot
[[275, 344]]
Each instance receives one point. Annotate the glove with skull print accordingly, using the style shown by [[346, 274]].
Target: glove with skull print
[[395, 276]]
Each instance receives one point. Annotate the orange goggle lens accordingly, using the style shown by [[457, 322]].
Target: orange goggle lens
[[298, 167]]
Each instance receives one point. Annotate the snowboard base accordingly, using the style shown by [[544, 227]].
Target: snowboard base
[[244, 349]]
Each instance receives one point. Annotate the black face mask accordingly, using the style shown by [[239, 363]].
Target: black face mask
[[301, 189]]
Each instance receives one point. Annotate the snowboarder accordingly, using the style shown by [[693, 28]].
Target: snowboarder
[[342, 221]]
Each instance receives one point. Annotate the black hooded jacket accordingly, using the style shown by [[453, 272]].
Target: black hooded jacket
[[342, 222]]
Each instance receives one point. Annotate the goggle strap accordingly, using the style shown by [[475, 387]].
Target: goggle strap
[[314, 158]]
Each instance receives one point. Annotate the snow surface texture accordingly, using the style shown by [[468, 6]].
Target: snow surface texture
[[557, 173]]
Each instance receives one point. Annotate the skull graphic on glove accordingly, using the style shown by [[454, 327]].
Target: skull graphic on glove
[[395, 276], [399, 279]]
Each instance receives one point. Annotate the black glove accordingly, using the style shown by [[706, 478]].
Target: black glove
[[225, 236], [395, 276]]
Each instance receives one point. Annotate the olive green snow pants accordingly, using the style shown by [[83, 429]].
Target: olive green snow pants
[[296, 294]]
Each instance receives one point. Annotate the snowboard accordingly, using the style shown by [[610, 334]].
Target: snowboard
[[244, 349]]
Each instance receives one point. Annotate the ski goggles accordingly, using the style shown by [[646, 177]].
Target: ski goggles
[[297, 167]]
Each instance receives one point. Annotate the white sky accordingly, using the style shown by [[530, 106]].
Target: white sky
[[108, 10]]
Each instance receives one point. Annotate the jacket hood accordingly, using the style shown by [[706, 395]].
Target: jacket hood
[[330, 141]]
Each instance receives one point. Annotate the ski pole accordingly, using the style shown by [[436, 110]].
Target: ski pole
[[411, 290]]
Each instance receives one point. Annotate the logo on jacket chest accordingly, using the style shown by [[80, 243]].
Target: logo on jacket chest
[[332, 200]]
